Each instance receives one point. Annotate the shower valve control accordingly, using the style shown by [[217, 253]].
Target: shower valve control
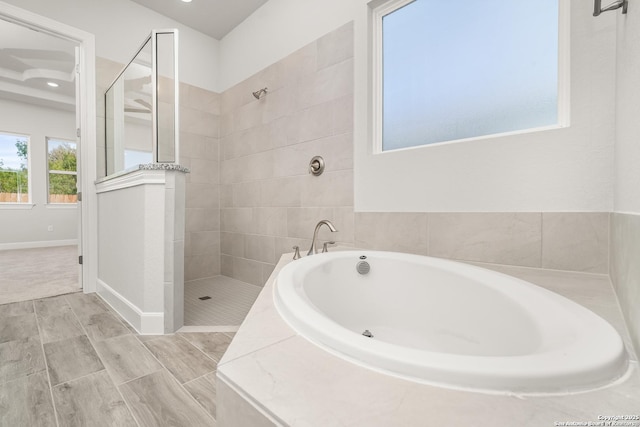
[[316, 166]]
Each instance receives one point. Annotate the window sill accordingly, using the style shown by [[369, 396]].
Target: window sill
[[24, 206], [61, 205]]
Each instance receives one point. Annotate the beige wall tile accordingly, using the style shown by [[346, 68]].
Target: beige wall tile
[[400, 232], [248, 116], [238, 220], [226, 124], [249, 168], [502, 238], [251, 141], [201, 266], [284, 131], [336, 46], [205, 243], [281, 192], [342, 112], [232, 244], [199, 122], [278, 103], [293, 160], [226, 195], [270, 221], [327, 84], [301, 223], [314, 122], [226, 265], [292, 68], [248, 271], [328, 189], [204, 171], [246, 194], [199, 99], [199, 219], [202, 195], [260, 248], [284, 245], [625, 270], [198, 146], [576, 241]]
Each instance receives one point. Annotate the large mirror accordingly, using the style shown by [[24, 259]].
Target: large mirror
[[141, 107]]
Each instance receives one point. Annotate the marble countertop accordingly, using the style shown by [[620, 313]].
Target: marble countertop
[[299, 384]]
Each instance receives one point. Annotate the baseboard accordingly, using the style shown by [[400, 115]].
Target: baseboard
[[144, 323], [42, 244]]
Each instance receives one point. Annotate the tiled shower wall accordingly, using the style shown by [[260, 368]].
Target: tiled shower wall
[[269, 202], [199, 116]]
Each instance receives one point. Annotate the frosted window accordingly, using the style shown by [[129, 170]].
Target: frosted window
[[467, 69]]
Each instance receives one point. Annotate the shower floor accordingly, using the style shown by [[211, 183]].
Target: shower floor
[[229, 303]]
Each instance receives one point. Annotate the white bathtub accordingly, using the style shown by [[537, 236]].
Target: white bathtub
[[448, 323]]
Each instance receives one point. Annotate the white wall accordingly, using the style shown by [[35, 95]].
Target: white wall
[[120, 27], [30, 225], [277, 29], [141, 247], [560, 170], [627, 194]]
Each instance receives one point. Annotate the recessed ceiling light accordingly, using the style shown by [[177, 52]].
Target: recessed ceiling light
[[186, 1], [53, 84]]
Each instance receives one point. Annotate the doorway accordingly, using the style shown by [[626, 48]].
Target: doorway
[[47, 157]]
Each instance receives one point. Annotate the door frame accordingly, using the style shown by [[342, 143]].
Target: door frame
[[88, 238]]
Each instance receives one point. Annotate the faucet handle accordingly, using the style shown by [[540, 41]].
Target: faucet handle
[[296, 254], [325, 246]]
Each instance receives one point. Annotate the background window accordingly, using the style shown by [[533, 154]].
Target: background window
[[481, 68], [14, 168], [61, 160]]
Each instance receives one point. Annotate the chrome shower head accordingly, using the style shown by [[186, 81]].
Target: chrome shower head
[[260, 93]]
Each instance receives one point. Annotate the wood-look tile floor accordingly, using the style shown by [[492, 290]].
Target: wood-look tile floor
[[71, 361]]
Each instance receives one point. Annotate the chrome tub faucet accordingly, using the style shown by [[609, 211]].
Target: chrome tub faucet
[[313, 250]]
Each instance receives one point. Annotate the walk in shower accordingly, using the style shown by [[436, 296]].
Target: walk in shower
[[148, 230]]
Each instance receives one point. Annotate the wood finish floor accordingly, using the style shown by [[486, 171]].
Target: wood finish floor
[[27, 274], [71, 361]]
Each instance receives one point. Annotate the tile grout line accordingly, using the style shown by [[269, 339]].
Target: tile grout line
[[200, 377], [79, 378], [198, 348], [162, 368], [101, 361], [261, 348], [178, 381], [46, 365]]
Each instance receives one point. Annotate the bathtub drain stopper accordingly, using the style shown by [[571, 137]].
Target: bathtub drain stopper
[[367, 333], [363, 267]]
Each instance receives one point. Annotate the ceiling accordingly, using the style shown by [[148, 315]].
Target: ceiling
[[212, 17], [33, 59]]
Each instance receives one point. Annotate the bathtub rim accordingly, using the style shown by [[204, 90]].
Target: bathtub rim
[[329, 335]]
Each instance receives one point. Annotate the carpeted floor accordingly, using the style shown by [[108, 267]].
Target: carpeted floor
[[27, 274]]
